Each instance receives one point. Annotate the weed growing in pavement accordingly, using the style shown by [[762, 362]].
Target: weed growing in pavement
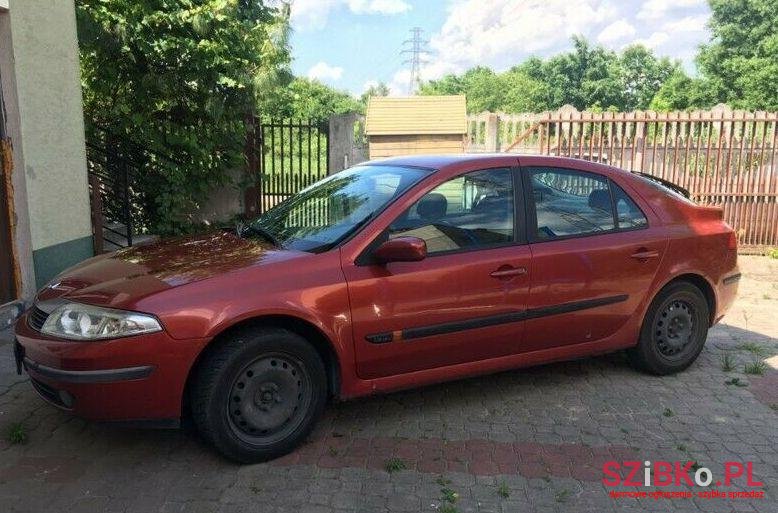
[[727, 362], [17, 435], [562, 496], [757, 367], [448, 495], [393, 465]]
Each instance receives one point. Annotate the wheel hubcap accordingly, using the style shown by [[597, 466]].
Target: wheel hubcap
[[674, 328], [268, 399]]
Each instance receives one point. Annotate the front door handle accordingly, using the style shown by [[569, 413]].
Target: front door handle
[[645, 254], [507, 271]]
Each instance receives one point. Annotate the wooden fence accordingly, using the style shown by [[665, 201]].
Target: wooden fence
[[723, 157]]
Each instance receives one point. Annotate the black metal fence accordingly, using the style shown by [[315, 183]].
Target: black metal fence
[[291, 155], [118, 169]]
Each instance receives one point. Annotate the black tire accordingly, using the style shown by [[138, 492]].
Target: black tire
[[674, 330], [257, 394]]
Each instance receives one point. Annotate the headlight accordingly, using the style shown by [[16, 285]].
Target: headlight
[[83, 322]]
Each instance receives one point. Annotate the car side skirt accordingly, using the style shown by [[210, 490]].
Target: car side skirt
[[624, 338]]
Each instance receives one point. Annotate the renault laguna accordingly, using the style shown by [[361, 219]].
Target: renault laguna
[[389, 275]]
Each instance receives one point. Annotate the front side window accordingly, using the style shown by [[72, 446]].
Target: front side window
[[328, 211], [569, 203], [475, 210]]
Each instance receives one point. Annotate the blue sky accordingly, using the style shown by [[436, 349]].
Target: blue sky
[[352, 43]]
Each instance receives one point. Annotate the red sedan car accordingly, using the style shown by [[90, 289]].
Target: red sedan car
[[389, 275]]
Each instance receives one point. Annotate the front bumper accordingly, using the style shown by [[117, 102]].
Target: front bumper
[[136, 378]]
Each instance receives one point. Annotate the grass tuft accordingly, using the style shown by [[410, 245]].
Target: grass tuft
[[668, 412], [393, 465], [448, 495], [17, 435], [757, 367], [562, 496], [727, 362], [503, 490]]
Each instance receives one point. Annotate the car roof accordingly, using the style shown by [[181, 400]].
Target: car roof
[[443, 161], [440, 161]]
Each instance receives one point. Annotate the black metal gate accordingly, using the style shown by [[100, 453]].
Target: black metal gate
[[292, 154]]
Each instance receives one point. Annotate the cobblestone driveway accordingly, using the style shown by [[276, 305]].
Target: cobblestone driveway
[[528, 440]]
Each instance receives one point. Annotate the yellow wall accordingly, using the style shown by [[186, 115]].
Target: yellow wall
[[393, 145]]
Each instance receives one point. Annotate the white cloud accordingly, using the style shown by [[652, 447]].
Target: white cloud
[[499, 33], [324, 72], [653, 41], [657, 9], [370, 83], [619, 30], [378, 6], [687, 24], [399, 85], [313, 14]]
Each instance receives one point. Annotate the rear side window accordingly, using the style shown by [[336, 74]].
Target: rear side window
[[569, 203], [628, 214]]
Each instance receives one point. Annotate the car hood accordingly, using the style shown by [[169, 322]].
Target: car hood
[[121, 278]]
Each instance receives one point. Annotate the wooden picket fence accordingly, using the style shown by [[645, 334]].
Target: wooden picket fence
[[723, 157]]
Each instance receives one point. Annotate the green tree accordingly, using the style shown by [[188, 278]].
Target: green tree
[[304, 98], [380, 89], [642, 74], [588, 77], [681, 92], [180, 76], [480, 84], [741, 61]]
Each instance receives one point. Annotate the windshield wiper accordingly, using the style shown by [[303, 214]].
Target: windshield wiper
[[261, 232]]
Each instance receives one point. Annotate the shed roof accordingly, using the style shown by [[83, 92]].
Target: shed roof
[[416, 115]]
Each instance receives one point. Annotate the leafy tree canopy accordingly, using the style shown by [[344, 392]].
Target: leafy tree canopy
[[180, 76], [740, 64], [586, 77], [380, 89], [308, 99]]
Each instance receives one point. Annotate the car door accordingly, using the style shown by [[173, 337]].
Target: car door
[[465, 300], [594, 255]]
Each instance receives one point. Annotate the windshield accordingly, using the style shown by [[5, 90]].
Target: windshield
[[320, 216]]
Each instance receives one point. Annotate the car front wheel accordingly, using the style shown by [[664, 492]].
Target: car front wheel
[[674, 330], [258, 393]]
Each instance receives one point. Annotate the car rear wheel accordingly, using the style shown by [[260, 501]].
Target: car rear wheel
[[257, 395], [674, 330]]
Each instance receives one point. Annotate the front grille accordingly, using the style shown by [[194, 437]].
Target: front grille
[[36, 318]]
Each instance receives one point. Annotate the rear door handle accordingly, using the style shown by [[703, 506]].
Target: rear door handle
[[508, 272], [645, 254]]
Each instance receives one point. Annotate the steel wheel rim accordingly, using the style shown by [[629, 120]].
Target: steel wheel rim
[[675, 329], [268, 399]]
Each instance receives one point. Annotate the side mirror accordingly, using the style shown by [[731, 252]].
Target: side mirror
[[401, 249]]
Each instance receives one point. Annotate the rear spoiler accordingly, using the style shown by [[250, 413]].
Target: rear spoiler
[[666, 183]]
